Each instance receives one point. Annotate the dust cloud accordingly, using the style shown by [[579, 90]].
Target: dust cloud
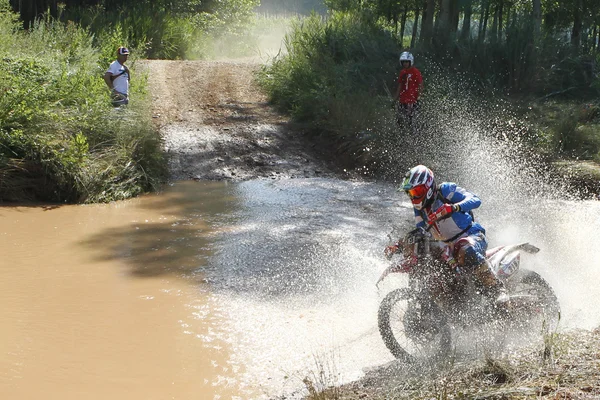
[[262, 40]]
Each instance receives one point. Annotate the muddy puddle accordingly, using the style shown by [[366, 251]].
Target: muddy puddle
[[216, 290], [102, 302]]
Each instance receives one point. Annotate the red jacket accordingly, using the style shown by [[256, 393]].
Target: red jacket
[[409, 81]]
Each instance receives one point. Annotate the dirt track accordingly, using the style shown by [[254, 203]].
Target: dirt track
[[216, 124]]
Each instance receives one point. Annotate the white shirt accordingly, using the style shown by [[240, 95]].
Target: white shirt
[[121, 82]]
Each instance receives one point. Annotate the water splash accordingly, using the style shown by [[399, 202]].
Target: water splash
[[484, 147]]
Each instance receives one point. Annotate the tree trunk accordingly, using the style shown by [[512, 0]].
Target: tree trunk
[[486, 15], [403, 24], [389, 12], [413, 39], [415, 31], [436, 18], [442, 30], [484, 4], [577, 23], [494, 31], [454, 16], [507, 19], [427, 25], [465, 32], [500, 28], [537, 19], [30, 10]]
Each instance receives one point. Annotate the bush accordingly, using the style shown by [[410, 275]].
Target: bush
[[567, 128], [60, 139], [335, 77]]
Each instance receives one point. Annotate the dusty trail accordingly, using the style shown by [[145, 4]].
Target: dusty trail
[[217, 124]]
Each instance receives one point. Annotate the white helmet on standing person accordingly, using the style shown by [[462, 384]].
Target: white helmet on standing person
[[406, 56]]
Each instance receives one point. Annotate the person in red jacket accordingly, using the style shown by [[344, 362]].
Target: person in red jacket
[[410, 85]]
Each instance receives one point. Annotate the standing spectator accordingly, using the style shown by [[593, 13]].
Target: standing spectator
[[117, 78], [410, 85]]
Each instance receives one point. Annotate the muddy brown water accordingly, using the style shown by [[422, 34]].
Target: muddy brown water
[[231, 290], [96, 301], [189, 294]]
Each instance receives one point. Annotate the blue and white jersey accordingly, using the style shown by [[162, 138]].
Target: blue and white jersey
[[450, 229]]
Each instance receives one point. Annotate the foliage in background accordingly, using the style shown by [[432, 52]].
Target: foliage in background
[[60, 139], [161, 29], [483, 51], [567, 128], [536, 46], [334, 76], [292, 7], [336, 71]]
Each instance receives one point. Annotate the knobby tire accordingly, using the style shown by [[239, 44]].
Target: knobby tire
[[442, 347]]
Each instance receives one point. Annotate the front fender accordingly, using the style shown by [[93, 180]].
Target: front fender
[[391, 270]]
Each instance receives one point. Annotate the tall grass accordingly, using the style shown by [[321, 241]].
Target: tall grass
[[334, 77], [60, 139], [152, 32], [567, 129]]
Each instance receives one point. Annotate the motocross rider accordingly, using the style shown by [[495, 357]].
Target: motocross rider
[[447, 209]]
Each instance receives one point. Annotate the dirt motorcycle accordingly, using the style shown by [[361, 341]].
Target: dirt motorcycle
[[424, 319]]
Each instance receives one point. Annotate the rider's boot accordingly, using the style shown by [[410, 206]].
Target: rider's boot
[[492, 286]]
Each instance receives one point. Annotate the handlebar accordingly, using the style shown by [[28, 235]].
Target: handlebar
[[416, 237]]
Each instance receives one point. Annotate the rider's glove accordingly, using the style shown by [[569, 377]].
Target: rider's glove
[[442, 212]]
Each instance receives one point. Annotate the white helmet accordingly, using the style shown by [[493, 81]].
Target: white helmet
[[419, 185], [406, 56]]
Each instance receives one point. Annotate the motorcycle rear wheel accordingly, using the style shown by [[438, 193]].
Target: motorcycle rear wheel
[[412, 329], [533, 300]]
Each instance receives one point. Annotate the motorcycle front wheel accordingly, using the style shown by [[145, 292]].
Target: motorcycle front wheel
[[413, 328]]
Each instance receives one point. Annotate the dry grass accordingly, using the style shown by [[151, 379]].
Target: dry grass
[[565, 366]]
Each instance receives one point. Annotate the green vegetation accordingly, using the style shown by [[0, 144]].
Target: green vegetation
[[60, 139], [570, 128], [333, 76], [156, 29], [487, 56]]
